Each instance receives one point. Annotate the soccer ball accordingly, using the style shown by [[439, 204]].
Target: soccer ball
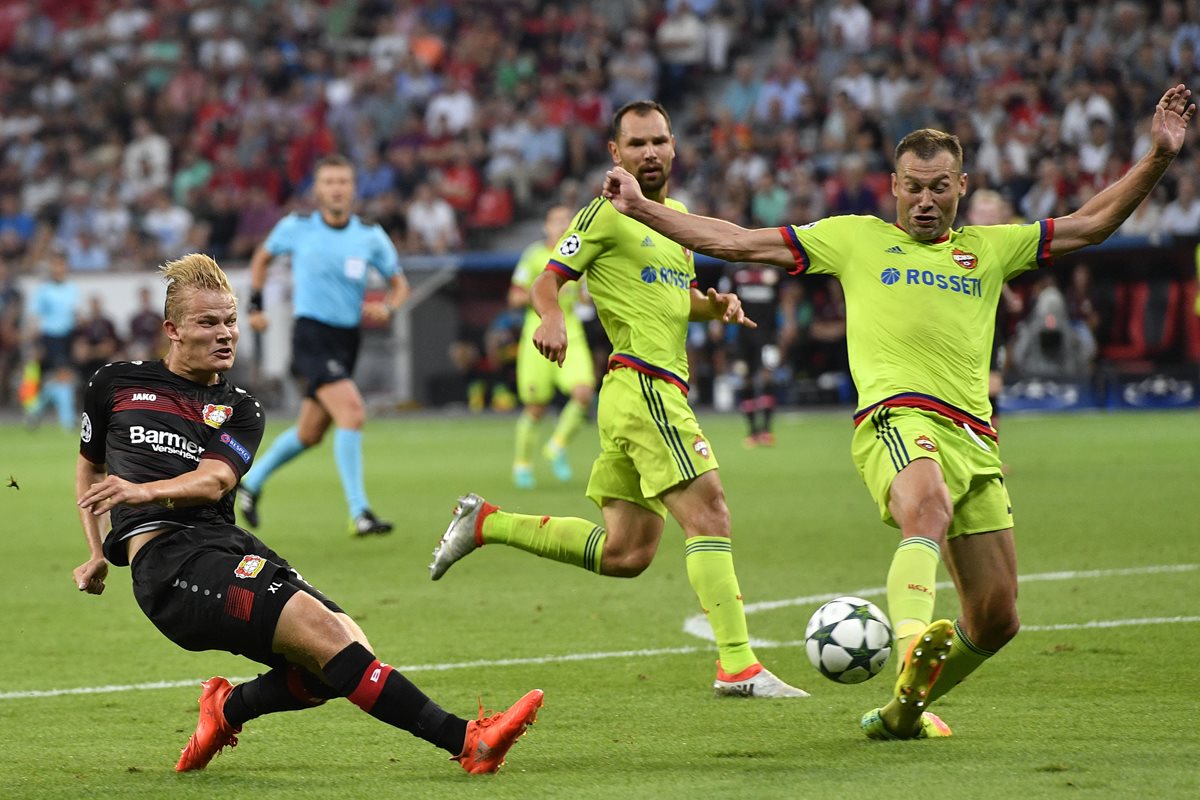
[[848, 640]]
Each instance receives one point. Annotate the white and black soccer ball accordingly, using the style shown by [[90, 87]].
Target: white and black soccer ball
[[848, 639]]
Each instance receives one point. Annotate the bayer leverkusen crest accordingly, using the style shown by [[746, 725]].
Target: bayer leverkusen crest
[[215, 416], [964, 259]]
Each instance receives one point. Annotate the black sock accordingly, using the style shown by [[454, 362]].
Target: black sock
[[390, 697], [281, 689]]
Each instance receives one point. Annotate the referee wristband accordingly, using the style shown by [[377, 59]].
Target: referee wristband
[[256, 300]]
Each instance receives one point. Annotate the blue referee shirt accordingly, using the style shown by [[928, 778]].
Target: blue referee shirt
[[329, 265], [54, 306]]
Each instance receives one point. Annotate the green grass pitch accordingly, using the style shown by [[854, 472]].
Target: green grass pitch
[[1107, 533]]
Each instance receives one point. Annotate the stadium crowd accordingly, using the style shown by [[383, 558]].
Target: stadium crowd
[[133, 131]]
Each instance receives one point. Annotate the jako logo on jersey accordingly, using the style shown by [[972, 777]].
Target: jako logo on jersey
[[925, 443], [952, 283], [649, 274], [215, 416], [148, 397], [236, 447], [890, 275], [250, 567], [165, 442], [964, 259], [569, 246], [701, 447]]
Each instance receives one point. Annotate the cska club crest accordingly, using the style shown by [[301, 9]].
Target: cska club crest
[[215, 416], [701, 447], [964, 259]]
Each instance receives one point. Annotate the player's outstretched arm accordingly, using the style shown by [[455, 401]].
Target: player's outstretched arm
[[1096, 219], [550, 338], [89, 576], [712, 237]]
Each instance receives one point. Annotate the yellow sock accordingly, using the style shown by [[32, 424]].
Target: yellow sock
[[569, 421], [567, 539], [911, 590], [524, 444], [964, 658], [710, 571]]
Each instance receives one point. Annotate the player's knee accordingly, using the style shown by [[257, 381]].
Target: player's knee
[[310, 438], [625, 564]]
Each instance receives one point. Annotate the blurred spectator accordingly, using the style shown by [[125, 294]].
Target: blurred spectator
[[432, 227], [146, 338], [453, 109], [146, 161], [680, 39], [784, 89], [94, 340], [632, 74], [254, 222], [852, 22], [1181, 216], [460, 182], [1081, 306], [166, 224], [85, 253], [853, 196], [543, 151], [741, 92], [374, 175], [16, 227]]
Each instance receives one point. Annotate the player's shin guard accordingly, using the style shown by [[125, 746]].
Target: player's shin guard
[[390, 697], [570, 540], [964, 658], [710, 571], [911, 589], [282, 689]]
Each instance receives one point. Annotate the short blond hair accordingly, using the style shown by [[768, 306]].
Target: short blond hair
[[193, 271]]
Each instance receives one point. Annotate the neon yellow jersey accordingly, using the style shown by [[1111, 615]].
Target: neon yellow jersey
[[641, 283], [532, 264], [920, 316]]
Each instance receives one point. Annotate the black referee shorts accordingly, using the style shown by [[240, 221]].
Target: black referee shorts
[[322, 353], [217, 587]]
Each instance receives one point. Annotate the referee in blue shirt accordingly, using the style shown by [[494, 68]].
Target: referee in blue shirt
[[331, 251]]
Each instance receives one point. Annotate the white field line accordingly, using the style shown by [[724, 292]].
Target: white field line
[[697, 624], [667, 651]]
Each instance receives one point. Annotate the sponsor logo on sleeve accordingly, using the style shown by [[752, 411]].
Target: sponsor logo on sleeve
[[250, 567], [236, 447], [215, 416]]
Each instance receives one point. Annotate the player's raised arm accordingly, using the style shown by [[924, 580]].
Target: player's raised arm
[[1096, 219], [712, 237], [723, 306], [551, 336]]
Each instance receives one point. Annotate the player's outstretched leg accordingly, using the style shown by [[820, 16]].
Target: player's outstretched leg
[[902, 718], [754, 681], [213, 732], [490, 737], [461, 537]]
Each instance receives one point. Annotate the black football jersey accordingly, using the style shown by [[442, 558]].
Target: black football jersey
[[145, 423]]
